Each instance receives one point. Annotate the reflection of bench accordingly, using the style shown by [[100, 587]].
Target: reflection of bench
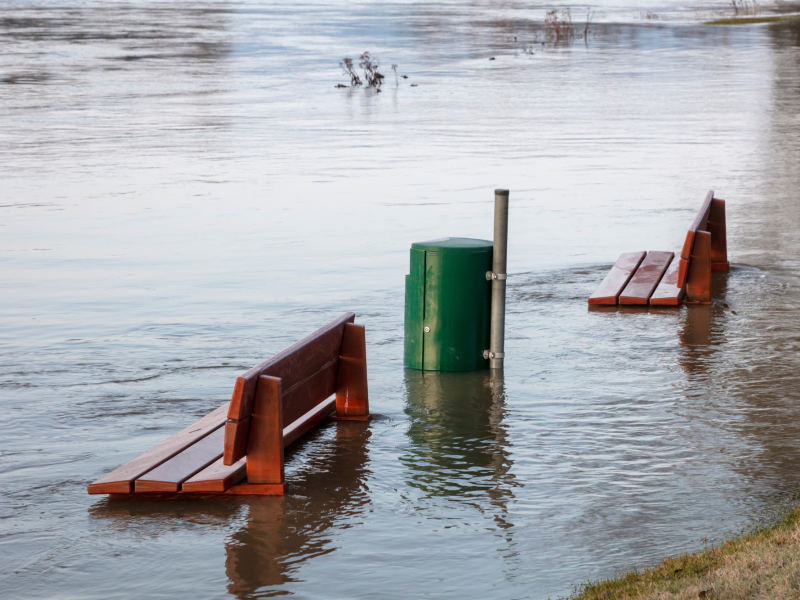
[[639, 278], [238, 448]]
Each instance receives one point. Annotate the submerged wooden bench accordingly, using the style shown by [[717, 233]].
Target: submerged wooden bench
[[238, 448], [656, 278]]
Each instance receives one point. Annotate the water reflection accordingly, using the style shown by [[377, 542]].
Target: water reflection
[[461, 449], [702, 330], [281, 533]]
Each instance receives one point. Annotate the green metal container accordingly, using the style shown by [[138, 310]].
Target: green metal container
[[448, 301]]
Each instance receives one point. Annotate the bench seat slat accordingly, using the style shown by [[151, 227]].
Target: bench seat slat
[[169, 476], [668, 292], [120, 480], [216, 477], [617, 278], [646, 278]]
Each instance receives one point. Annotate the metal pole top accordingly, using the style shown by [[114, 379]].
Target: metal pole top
[[501, 192]]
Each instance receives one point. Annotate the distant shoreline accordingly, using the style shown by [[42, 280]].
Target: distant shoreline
[[752, 20], [764, 563]]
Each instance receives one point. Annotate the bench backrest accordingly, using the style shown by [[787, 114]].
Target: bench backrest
[[308, 371], [700, 223]]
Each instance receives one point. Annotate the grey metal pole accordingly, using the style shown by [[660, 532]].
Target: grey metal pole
[[498, 319]]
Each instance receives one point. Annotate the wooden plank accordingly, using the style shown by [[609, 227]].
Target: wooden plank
[[168, 476], [292, 365], [216, 477], [699, 223], [719, 237], [698, 281], [616, 280], [236, 435], [120, 480], [296, 402], [265, 444], [646, 278], [309, 420], [352, 392], [257, 489], [668, 293], [308, 393]]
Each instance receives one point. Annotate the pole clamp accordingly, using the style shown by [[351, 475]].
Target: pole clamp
[[490, 354], [496, 276]]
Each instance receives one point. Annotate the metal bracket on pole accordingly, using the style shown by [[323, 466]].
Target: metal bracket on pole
[[490, 276], [497, 276]]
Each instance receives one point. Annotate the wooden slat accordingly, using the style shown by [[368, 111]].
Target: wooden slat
[[257, 489], [296, 402], [352, 392], [120, 480], [698, 281], [308, 393], [616, 280], [216, 477], [309, 420], [699, 223], [236, 435], [719, 237], [169, 476], [265, 444], [646, 278], [292, 365], [668, 293]]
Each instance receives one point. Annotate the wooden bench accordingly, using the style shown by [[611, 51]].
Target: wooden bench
[[238, 448], [656, 279]]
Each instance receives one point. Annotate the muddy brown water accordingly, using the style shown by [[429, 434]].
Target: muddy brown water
[[185, 192]]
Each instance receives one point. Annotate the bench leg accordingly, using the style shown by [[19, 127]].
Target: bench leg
[[719, 238], [352, 394], [265, 442], [698, 280]]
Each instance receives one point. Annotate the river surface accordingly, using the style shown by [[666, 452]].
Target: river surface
[[184, 192]]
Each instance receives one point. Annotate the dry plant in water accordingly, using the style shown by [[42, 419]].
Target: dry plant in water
[[369, 64]]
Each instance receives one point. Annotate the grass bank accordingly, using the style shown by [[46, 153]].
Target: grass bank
[[752, 20], [764, 563]]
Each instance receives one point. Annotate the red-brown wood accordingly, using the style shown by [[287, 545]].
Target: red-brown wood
[[719, 236], [608, 291], [257, 489], [309, 420], [683, 270], [265, 444], [699, 223], [236, 433], [169, 475], [216, 477], [292, 365], [358, 419], [307, 394], [668, 293], [698, 281], [352, 391], [120, 480], [646, 279]]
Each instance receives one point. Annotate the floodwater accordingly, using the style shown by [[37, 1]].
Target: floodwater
[[184, 192]]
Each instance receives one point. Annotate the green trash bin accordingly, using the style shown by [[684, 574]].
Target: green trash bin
[[448, 301]]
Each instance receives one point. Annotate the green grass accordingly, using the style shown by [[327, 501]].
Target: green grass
[[764, 563], [752, 20]]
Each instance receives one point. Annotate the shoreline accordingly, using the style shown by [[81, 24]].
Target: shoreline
[[764, 562]]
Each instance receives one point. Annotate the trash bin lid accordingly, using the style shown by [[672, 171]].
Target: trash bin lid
[[446, 245]]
